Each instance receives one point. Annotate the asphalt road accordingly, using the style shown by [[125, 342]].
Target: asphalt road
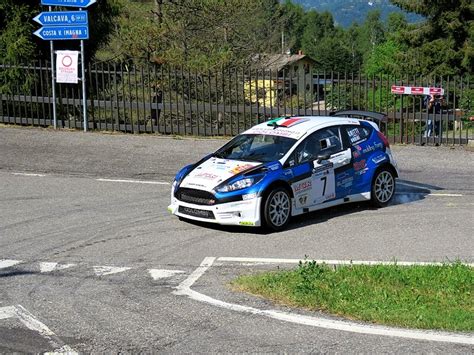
[[95, 264]]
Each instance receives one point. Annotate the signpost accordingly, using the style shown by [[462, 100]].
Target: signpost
[[60, 26]]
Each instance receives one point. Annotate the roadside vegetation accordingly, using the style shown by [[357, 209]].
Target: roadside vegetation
[[425, 297]]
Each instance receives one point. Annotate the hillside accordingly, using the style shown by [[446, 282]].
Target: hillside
[[345, 12]]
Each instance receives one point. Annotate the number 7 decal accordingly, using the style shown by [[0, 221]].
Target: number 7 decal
[[324, 178]]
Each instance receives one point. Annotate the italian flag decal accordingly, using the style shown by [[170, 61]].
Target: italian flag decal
[[286, 121]]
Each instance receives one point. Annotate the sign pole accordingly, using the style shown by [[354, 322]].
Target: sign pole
[[84, 98], [53, 80]]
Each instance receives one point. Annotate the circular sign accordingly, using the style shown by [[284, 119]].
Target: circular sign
[[67, 61]]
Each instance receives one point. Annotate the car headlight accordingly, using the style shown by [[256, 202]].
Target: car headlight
[[239, 184]]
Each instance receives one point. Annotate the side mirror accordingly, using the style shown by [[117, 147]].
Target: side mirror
[[322, 157]]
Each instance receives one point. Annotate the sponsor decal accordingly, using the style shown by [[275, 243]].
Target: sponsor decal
[[194, 184], [302, 186], [240, 204], [354, 135], [249, 196], [303, 199], [345, 182], [240, 168], [323, 168], [276, 132], [359, 165], [274, 167], [246, 223], [379, 158], [371, 148], [321, 199], [206, 176], [361, 172]]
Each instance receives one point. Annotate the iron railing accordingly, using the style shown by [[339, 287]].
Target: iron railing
[[168, 100]]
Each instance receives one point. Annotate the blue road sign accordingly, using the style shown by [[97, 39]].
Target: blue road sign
[[68, 3], [62, 18], [56, 33]]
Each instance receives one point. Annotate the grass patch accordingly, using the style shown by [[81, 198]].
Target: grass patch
[[425, 297]]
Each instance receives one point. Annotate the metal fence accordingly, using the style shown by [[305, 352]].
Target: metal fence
[[160, 99]]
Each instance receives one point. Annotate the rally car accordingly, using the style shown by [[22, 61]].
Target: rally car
[[286, 167]]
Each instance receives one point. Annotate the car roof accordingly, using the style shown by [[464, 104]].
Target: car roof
[[297, 126]]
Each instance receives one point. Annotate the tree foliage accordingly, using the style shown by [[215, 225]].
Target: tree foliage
[[443, 43]]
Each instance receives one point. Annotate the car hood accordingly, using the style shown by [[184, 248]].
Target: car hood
[[214, 171]]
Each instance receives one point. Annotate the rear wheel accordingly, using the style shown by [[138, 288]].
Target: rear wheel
[[383, 187], [277, 209]]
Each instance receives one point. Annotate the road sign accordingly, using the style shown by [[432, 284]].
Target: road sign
[[68, 3], [66, 67], [62, 18], [55, 33]]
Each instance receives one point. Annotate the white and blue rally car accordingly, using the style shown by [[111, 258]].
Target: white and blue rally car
[[288, 166]]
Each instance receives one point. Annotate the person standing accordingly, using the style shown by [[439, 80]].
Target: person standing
[[434, 106]]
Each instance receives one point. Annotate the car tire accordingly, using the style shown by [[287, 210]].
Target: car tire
[[277, 209], [383, 187]]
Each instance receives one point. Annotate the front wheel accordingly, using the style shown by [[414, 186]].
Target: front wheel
[[383, 188], [277, 209]]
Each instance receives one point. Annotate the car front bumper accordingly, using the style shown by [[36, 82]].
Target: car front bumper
[[243, 213]]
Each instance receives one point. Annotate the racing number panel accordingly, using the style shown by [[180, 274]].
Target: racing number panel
[[320, 184]]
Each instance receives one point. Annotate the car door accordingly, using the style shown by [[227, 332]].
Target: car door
[[331, 161], [357, 138], [316, 161]]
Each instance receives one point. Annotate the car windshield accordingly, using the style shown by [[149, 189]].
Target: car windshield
[[256, 147]]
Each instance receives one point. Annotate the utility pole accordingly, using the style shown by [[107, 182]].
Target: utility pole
[[282, 42]]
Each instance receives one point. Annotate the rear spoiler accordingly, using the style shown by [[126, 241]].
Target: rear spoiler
[[366, 115]]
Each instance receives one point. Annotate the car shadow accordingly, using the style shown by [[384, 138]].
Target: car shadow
[[406, 192]]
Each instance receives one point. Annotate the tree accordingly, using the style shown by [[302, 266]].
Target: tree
[[198, 34], [443, 43], [290, 21], [373, 32]]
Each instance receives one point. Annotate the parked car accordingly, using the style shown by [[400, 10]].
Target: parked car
[[286, 167]]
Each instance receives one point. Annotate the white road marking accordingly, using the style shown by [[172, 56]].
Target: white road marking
[[184, 289], [109, 270], [136, 181], [425, 188], [7, 312], [34, 324], [48, 267], [28, 174], [8, 263], [161, 274], [411, 185], [330, 262]]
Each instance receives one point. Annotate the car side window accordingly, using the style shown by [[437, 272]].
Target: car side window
[[357, 134], [324, 141]]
